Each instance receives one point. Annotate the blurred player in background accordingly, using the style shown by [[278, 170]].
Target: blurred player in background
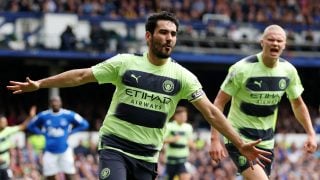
[[5, 144], [256, 84], [179, 138], [56, 124], [148, 89]]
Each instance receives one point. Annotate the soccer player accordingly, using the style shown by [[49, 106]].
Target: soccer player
[[256, 84], [148, 89], [56, 124], [179, 139], [5, 144]]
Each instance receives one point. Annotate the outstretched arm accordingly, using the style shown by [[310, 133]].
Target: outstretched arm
[[216, 119], [70, 78], [32, 113], [302, 115]]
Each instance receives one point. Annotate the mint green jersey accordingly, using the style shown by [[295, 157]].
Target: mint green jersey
[[145, 98], [178, 152], [256, 91], [5, 144]]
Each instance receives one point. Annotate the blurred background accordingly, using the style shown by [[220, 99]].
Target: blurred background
[[39, 38]]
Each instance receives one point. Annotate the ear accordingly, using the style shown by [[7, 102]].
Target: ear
[[148, 35], [261, 43]]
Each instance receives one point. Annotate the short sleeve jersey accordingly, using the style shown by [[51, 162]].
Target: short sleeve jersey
[[56, 127], [256, 91], [5, 144], [178, 152], [145, 98]]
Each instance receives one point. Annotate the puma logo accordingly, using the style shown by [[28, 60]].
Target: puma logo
[[135, 77], [259, 83]]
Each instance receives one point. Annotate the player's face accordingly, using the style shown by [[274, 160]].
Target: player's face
[[273, 43], [3, 123], [181, 117], [55, 104], [163, 40]]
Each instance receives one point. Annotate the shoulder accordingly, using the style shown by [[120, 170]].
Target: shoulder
[[44, 113], [253, 59], [176, 65], [241, 66], [10, 129], [179, 69], [122, 58], [285, 63], [188, 126], [131, 55], [66, 111], [170, 124]]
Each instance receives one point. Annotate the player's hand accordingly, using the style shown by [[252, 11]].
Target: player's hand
[[217, 151], [22, 87], [310, 145], [254, 154]]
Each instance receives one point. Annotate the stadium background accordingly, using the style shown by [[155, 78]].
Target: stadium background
[[213, 35]]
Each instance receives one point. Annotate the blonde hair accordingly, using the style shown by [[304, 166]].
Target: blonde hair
[[274, 27]]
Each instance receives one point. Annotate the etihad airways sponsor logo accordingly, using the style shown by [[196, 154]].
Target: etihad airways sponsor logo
[[266, 98], [148, 96]]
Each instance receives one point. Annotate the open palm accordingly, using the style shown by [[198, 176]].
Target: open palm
[[22, 87]]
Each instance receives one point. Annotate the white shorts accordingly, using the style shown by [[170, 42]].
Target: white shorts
[[55, 163]]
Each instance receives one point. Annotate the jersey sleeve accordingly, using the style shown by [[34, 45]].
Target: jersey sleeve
[[108, 70], [231, 83], [192, 90], [295, 87], [35, 123], [79, 123]]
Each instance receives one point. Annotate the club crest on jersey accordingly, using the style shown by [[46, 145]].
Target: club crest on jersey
[[168, 86], [282, 84], [242, 160], [105, 173]]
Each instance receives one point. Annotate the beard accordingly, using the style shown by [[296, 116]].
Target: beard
[[156, 49]]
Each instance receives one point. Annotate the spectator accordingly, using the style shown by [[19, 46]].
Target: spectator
[[98, 38], [68, 40]]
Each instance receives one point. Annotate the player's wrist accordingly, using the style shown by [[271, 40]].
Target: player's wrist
[[214, 139]]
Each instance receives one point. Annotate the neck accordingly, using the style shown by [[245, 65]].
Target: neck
[[55, 110], [155, 60], [269, 62], [179, 122]]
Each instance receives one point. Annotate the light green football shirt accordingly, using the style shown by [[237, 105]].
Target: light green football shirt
[[178, 152], [5, 144], [256, 91], [145, 98]]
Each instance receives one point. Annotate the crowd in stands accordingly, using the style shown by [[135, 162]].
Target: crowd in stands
[[284, 11], [299, 17]]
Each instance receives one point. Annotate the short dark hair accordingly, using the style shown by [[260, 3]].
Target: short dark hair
[[154, 18]]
